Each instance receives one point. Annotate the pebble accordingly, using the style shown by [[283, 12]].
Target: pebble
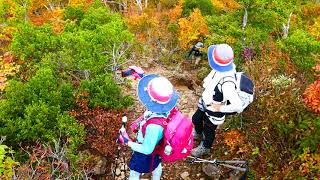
[[118, 172], [185, 175]]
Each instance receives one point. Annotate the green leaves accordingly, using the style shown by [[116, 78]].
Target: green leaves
[[6, 162], [205, 7], [34, 110], [104, 92]]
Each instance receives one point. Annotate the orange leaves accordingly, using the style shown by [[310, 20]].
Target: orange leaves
[[143, 24], [175, 13], [312, 96], [233, 139], [225, 4], [192, 28], [47, 16]]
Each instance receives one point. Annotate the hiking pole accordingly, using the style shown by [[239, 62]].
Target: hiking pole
[[122, 129], [219, 162]]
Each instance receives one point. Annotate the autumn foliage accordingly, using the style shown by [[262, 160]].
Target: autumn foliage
[[101, 126], [192, 28], [233, 139], [312, 94]]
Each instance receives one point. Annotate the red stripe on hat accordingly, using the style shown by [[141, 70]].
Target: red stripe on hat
[[219, 60]]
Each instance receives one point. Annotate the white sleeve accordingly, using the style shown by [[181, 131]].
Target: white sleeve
[[207, 95], [230, 94], [209, 85]]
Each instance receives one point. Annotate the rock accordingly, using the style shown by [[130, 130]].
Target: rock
[[101, 166], [123, 167], [123, 176], [185, 175], [118, 172]]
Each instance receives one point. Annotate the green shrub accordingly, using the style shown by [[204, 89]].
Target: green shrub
[[105, 93], [31, 43], [36, 110], [302, 48], [205, 7], [87, 45], [74, 13]]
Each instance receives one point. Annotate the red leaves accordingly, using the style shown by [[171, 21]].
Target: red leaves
[[101, 125], [312, 96]]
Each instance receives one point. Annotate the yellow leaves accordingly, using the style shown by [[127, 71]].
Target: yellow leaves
[[6, 69], [310, 162], [234, 139], [175, 13], [191, 28], [75, 3], [315, 28], [47, 16], [225, 4], [142, 22]]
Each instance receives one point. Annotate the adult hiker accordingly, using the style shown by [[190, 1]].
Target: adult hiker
[[218, 98], [159, 97], [197, 54]]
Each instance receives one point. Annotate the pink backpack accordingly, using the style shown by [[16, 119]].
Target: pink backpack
[[177, 139]]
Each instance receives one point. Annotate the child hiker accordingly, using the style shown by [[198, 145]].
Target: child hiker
[[218, 98], [159, 97]]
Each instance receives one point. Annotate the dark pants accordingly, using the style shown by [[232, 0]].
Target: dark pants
[[203, 125]]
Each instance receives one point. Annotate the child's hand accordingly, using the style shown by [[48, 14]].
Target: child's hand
[[214, 107], [124, 138]]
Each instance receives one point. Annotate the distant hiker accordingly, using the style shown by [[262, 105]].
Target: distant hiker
[[197, 54], [218, 98], [160, 98]]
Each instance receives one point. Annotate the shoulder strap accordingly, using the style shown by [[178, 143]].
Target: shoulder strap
[[225, 79], [156, 120]]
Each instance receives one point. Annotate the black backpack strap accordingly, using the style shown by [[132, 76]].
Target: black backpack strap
[[224, 81]]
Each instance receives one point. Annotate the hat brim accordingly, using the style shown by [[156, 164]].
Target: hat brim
[[148, 102], [213, 64]]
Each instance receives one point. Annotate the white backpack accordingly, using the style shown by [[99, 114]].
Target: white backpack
[[244, 86]]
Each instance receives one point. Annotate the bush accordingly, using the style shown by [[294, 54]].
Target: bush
[[31, 43], [103, 92], [205, 7], [74, 13], [36, 110], [300, 46]]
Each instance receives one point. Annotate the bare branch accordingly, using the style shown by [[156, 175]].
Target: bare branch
[[245, 18], [286, 27], [139, 4], [3, 138]]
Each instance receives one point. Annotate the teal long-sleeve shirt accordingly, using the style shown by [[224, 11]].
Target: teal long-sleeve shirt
[[146, 144]]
